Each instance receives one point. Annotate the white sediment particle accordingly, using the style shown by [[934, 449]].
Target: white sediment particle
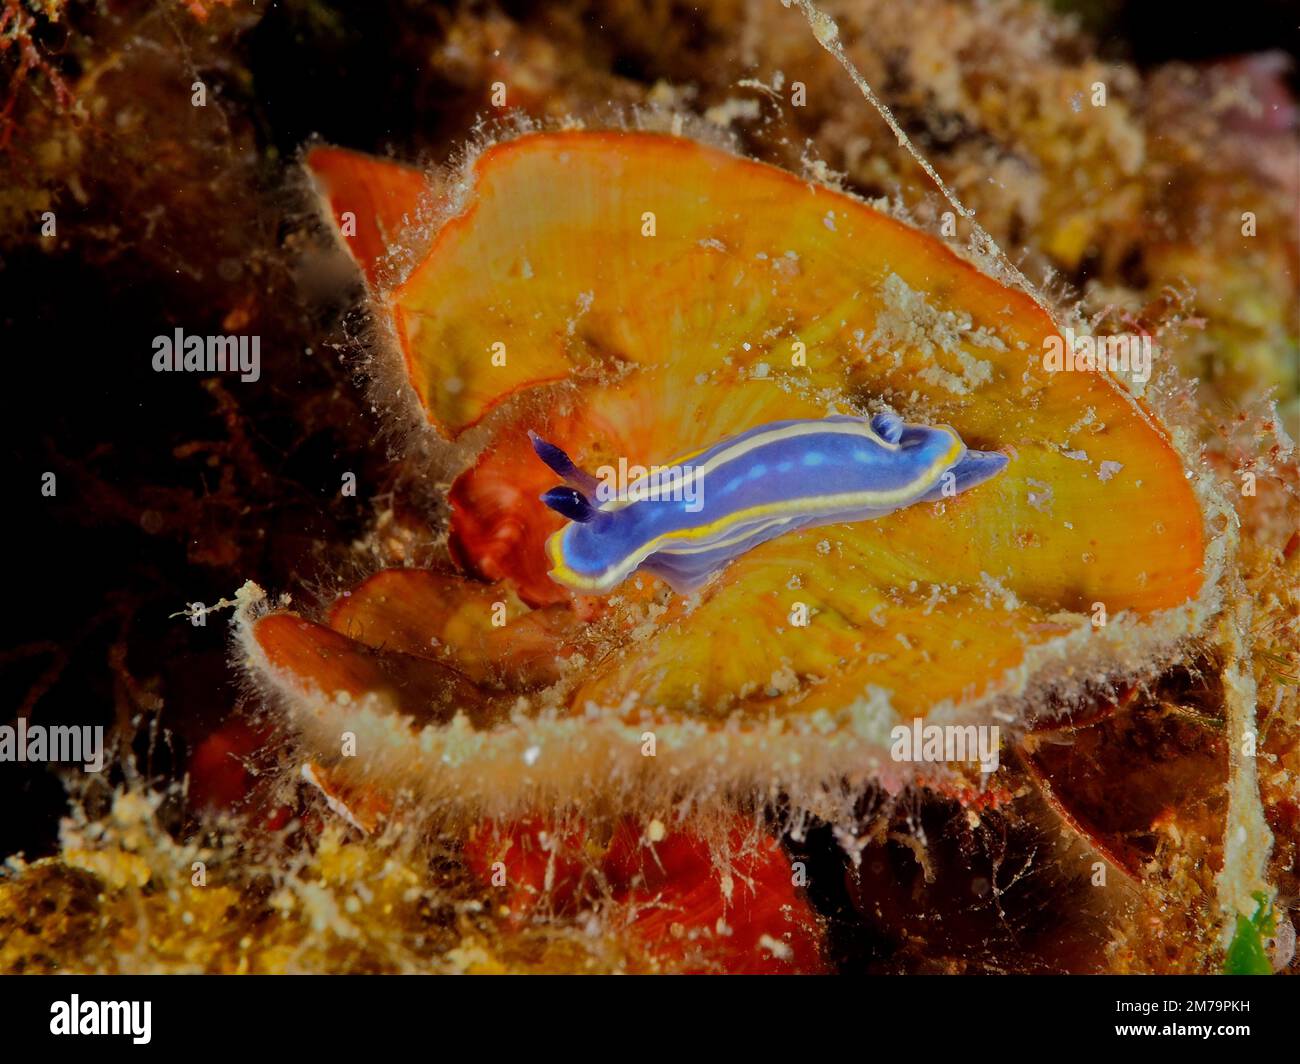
[[782, 682], [1076, 456], [1108, 469], [647, 627], [994, 587], [908, 320], [585, 300], [1089, 416], [730, 110], [941, 378], [773, 90], [776, 947], [322, 910], [823, 26], [713, 243], [1040, 495], [829, 221], [787, 265], [817, 171], [936, 597]]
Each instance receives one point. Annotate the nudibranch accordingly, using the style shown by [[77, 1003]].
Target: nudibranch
[[687, 519], [629, 294]]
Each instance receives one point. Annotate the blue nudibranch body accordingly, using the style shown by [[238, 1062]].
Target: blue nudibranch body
[[683, 522]]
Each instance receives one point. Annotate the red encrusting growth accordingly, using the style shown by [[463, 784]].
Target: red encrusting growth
[[679, 907]]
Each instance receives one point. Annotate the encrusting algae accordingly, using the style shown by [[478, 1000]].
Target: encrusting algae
[[124, 896], [834, 636]]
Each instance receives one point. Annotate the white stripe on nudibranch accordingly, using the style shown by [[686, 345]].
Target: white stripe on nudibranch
[[731, 533]]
